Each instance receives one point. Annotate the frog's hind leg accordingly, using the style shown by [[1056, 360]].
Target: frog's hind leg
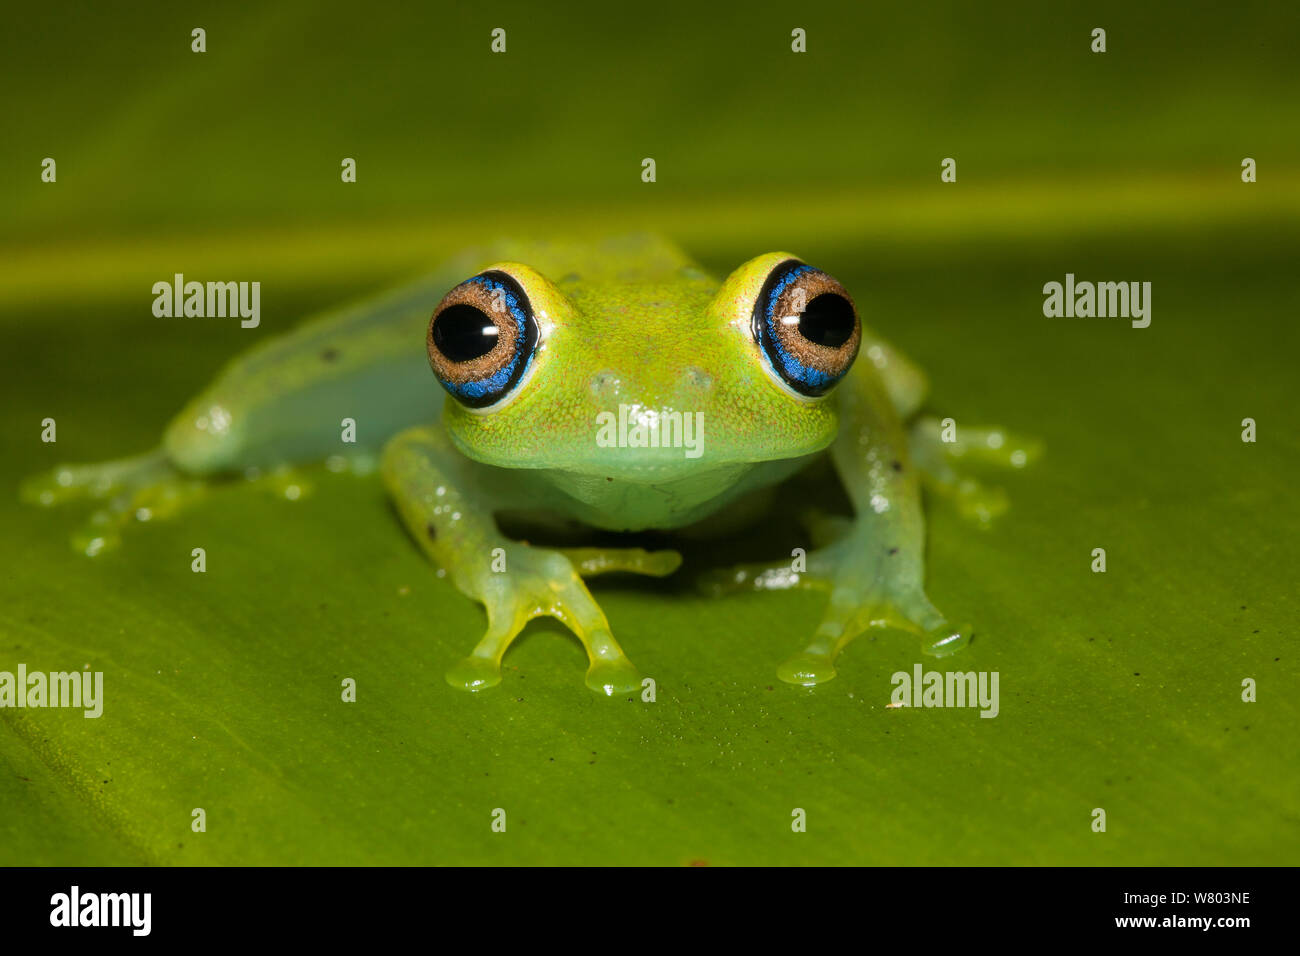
[[140, 488], [70, 482], [589, 562], [938, 447], [148, 487]]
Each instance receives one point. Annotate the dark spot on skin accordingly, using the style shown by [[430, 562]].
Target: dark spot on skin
[[571, 277], [896, 465], [609, 479], [1243, 607], [432, 531], [329, 355], [1136, 674], [893, 551]]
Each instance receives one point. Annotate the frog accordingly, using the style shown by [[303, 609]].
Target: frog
[[612, 385]]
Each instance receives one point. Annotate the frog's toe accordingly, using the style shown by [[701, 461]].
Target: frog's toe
[[160, 500], [988, 444], [813, 570], [938, 457], [589, 562], [543, 583], [103, 532], [610, 671], [848, 614], [100, 480], [945, 639], [976, 502], [46, 489], [807, 669], [474, 674], [750, 577], [284, 482], [142, 488], [853, 610], [613, 677], [910, 610]]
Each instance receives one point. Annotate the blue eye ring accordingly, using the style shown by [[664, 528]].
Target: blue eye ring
[[482, 338], [807, 327]]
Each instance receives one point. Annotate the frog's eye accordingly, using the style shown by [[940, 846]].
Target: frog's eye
[[806, 327], [482, 338]]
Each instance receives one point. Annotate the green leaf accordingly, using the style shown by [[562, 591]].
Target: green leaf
[[1119, 691]]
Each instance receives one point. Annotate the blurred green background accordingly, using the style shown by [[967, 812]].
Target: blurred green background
[[1119, 691]]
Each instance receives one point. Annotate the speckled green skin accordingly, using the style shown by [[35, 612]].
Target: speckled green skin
[[629, 322], [636, 323]]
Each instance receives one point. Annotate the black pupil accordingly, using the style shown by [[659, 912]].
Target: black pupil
[[827, 320], [463, 333]]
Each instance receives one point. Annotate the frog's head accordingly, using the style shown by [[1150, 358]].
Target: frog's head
[[643, 374]]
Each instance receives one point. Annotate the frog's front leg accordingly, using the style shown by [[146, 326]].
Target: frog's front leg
[[876, 570], [874, 567], [447, 503]]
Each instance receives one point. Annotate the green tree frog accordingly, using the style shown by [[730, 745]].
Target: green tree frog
[[616, 384]]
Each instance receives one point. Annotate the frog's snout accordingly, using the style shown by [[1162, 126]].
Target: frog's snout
[[684, 388]]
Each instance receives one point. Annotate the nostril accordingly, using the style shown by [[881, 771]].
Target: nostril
[[605, 383], [697, 378]]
